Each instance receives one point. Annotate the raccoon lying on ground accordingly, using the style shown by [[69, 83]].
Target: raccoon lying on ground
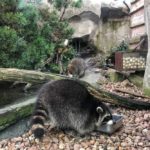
[[68, 106], [76, 68]]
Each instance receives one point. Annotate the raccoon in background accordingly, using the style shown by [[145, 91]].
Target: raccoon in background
[[68, 106], [76, 68]]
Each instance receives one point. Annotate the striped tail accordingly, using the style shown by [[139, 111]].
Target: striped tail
[[39, 117]]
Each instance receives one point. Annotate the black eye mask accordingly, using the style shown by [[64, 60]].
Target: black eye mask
[[106, 119]]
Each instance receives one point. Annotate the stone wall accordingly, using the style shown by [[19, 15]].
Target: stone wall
[[111, 33]]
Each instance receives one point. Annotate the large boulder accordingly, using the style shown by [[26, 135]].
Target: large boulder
[[84, 20]]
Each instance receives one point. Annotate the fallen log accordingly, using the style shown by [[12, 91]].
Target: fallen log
[[131, 93], [35, 77]]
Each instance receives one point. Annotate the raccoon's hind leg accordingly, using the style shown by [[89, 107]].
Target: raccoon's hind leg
[[39, 117]]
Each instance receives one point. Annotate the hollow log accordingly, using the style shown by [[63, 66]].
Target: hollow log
[[36, 77]]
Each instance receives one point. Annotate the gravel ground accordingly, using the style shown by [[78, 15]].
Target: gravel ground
[[127, 86], [134, 135]]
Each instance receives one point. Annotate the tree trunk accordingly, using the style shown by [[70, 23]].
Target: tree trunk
[[147, 70], [35, 77]]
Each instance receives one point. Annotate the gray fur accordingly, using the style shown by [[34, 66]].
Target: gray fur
[[69, 105], [76, 67]]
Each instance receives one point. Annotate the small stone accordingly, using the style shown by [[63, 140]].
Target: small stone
[[55, 147], [76, 147], [85, 144], [82, 148], [3, 143], [61, 146], [124, 144], [55, 140], [33, 148], [61, 135], [66, 139], [140, 144], [146, 116], [100, 148], [92, 142], [148, 137], [146, 148], [26, 143], [145, 131], [101, 141], [111, 148], [17, 139], [137, 120], [109, 141]]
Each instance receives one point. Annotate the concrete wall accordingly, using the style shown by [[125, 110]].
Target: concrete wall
[[111, 34]]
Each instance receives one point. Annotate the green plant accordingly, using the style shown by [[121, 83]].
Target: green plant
[[123, 46], [30, 36]]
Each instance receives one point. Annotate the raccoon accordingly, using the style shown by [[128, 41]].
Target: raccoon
[[76, 68], [68, 106]]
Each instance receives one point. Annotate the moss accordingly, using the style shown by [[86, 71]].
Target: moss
[[137, 80], [13, 116], [114, 76], [114, 24], [147, 91]]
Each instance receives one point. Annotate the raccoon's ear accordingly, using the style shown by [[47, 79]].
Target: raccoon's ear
[[99, 109]]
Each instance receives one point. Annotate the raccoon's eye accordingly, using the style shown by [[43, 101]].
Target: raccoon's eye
[[107, 118]]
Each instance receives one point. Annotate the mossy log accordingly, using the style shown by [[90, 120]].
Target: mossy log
[[35, 77]]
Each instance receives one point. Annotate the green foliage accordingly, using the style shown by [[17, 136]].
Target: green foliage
[[122, 47], [28, 37], [11, 47], [77, 3], [8, 5], [59, 4]]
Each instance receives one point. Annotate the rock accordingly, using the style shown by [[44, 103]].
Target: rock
[[84, 144], [66, 139], [76, 147], [101, 141], [55, 140], [123, 144], [140, 143], [111, 148], [146, 116], [61, 146], [148, 137], [82, 149], [92, 142], [145, 131], [17, 139], [137, 120], [33, 148]]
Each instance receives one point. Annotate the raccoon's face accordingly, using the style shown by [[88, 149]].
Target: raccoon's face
[[104, 116], [70, 70]]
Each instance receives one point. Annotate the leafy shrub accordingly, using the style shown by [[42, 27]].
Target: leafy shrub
[[30, 36]]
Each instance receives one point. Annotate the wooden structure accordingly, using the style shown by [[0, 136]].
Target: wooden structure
[[135, 60], [137, 25]]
